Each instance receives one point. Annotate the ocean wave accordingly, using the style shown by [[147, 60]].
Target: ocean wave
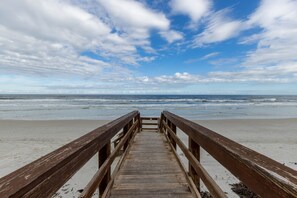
[[90, 103], [129, 103], [144, 101], [264, 100]]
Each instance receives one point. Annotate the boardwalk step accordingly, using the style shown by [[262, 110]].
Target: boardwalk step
[[155, 129], [153, 124], [149, 118]]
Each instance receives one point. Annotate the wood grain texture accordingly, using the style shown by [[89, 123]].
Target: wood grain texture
[[260, 173], [43, 177], [194, 148], [97, 178], [211, 185], [150, 170], [103, 155]]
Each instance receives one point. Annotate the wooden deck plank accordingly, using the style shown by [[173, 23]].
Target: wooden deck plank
[[156, 196], [150, 170]]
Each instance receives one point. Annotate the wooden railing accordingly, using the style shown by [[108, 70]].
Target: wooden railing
[[149, 123], [264, 176], [43, 177]]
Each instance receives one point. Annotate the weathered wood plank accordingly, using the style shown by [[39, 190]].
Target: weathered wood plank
[[152, 192], [249, 166], [150, 123], [152, 129], [211, 185], [166, 178], [45, 176], [194, 148], [185, 195], [99, 175], [121, 160], [150, 170], [149, 118], [103, 155]]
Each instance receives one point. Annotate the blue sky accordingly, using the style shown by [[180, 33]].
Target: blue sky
[[148, 47]]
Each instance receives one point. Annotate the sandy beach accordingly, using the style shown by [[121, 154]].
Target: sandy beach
[[22, 142], [68, 67]]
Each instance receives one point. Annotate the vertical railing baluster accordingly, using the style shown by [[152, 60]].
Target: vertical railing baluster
[[167, 133], [103, 155], [139, 123], [173, 128], [195, 150], [161, 123], [131, 124], [125, 130]]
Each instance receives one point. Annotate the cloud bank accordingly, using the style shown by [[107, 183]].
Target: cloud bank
[[98, 44]]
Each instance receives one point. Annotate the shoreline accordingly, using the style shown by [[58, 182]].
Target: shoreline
[[23, 141], [109, 120]]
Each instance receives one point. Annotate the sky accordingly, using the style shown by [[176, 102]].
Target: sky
[[148, 47]]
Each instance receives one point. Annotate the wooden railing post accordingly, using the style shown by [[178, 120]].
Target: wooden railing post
[[131, 124], [125, 130], [173, 128], [139, 123], [166, 130], [195, 150], [45, 176], [160, 123], [103, 155]]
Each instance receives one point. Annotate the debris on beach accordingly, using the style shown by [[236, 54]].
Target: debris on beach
[[205, 194], [243, 191]]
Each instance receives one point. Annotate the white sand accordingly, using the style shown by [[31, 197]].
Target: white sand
[[24, 141], [21, 142]]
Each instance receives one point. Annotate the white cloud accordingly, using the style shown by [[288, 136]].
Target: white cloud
[[274, 59], [205, 57], [195, 9], [277, 42], [135, 21], [22, 53], [259, 75], [177, 78], [210, 55], [50, 36], [51, 21], [219, 28], [130, 13], [224, 61], [147, 58], [172, 36]]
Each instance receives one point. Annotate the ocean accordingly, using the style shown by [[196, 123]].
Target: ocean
[[106, 107]]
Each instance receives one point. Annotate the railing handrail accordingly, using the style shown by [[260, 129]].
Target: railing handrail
[[46, 175], [205, 177], [248, 165], [97, 178]]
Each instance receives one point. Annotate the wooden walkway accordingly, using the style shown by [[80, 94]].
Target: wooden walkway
[[150, 170], [149, 166]]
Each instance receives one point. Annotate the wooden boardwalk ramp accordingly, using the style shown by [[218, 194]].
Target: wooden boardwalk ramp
[[149, 165], [151, 169]]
